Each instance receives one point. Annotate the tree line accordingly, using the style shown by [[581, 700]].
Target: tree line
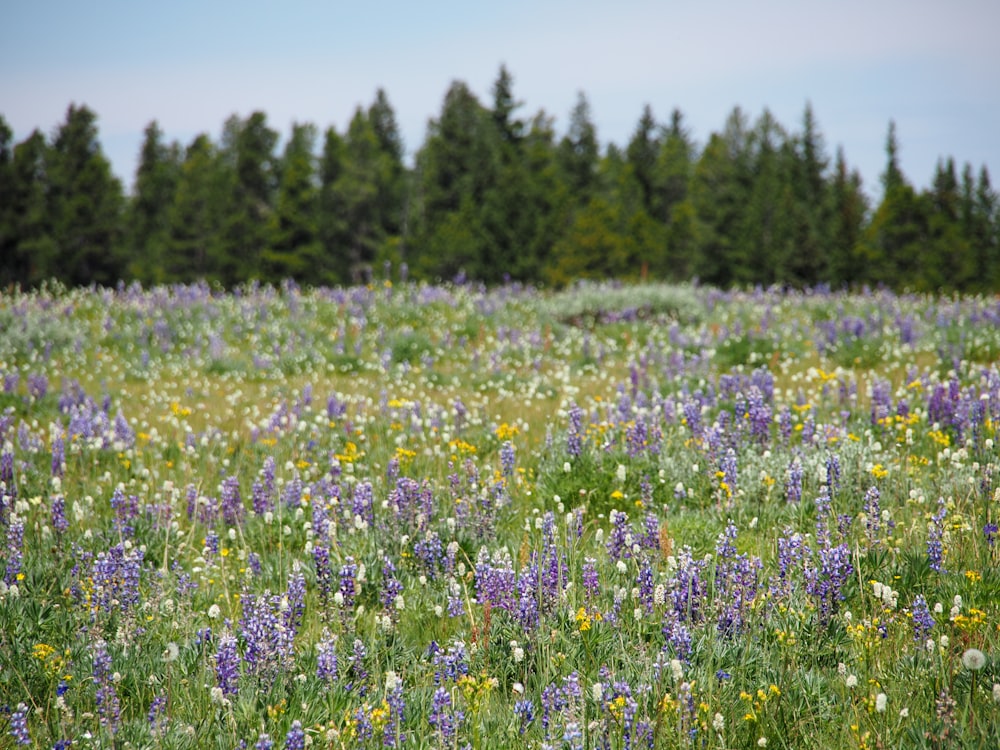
[[490, 195]]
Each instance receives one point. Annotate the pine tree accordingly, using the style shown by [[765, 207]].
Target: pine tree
[[248, 155], [642, 151], [32, 249], [579, 154], [295, 250], [196, 215], [848, 213], [149, 209], [86, 203]]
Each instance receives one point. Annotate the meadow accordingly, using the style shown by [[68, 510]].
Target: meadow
[[407, 515]]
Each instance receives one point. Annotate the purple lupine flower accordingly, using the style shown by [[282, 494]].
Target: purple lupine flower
[[296, 737], [58, 456], [19, 725], [392, 732], [791, 552], [591, 583], [645, 583], [263, 742], [227, 665], [832, 474], [450, 665], [324, 573], [526, 613], [785, 425], [826, 584], [873, 515], [348, 587], [125, 509], [429, 551], [729, 469], [232, 501], [678, 639], [443, 717], [59, 521], [923, 621], [990, 532], [292, 496], [935, 533], [793, 484], [524, 710], [191, 495], [326, 659], [38, 386], [356, 669], [574, 435], [363, 503], [507, 459], [108, 705], [687, 590], [157, 716], [391, 588], [15, 550], [116, 579], [619, 544]]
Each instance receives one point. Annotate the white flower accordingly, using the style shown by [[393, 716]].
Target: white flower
[[762, 742], [597, 689], [620, 473], [903, 713], [718, 722], [171, 653], [677, 669], [392, 680], [518, 688], [973, 659], [880, 700], [622, 567], [566, 467], [214, 612], [944, 641], [996, 692], [518, 654], [852, 681], [399, 603]]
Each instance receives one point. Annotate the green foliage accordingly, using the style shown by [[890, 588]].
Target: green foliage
[[492, 193]]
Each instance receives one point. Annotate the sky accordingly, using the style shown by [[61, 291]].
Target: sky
[[931, 66]]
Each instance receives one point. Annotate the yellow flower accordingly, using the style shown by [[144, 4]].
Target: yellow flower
[[506, 431], [879, 472]]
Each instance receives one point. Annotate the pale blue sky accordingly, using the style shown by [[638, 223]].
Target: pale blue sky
[[931, 65]]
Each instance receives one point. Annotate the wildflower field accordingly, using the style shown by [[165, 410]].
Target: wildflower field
[[448, 516]]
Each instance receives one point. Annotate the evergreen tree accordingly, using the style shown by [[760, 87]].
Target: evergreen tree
[[295, 250], [950, 259], [642, 151], [809, 253], [331, 222], [149, 210], [196, 215], [848, 212], [579, 154], [248, 154], [10, 271], [764, 243], [85, 203], [357, 199], [720, 190], [456, 166], [30, 255], [391, 179], [674, 168], [892, 251]]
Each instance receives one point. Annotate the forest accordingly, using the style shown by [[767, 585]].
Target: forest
[[490, 195]]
